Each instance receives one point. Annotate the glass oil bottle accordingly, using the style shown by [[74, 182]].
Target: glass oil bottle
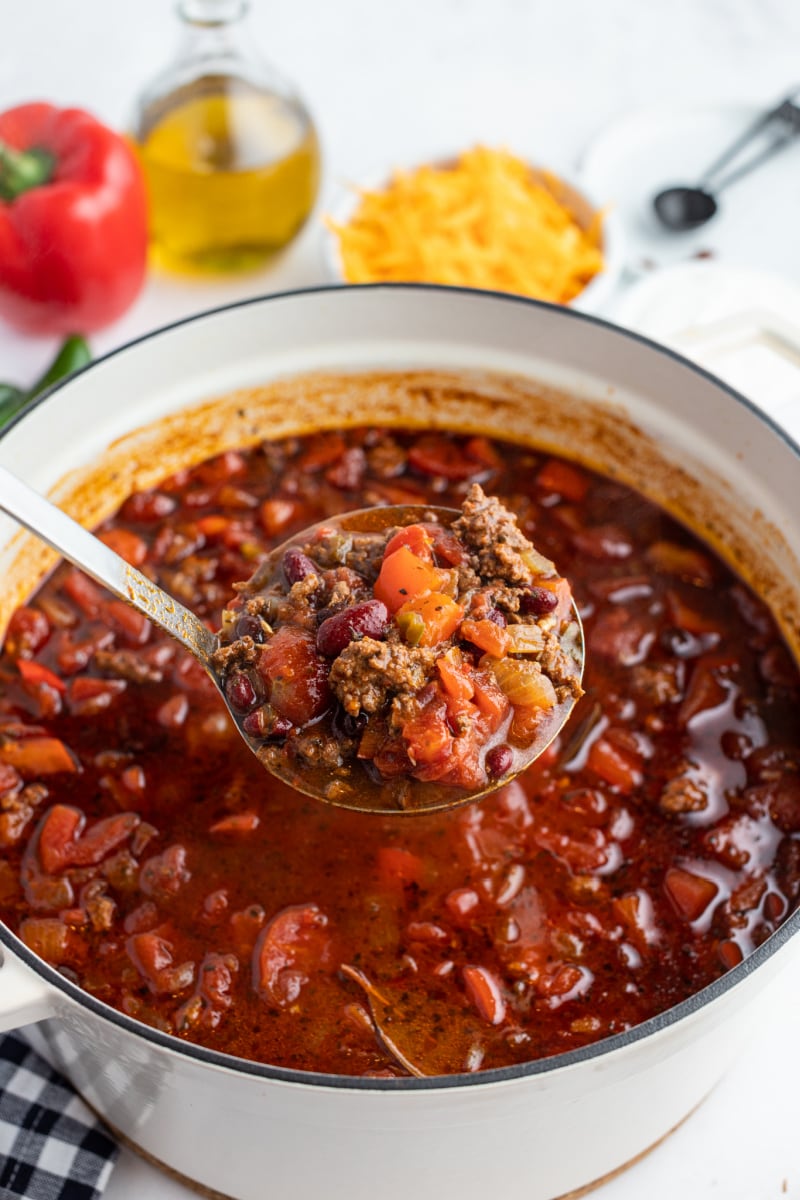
[[229, 152]]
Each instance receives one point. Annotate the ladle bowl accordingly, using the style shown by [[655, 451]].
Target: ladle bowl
[[373, 794]]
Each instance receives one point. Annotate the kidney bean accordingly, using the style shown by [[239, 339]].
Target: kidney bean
[[27, 632], [250, 626], [240, 691], [499, 760], [348, 472], [295, 676], [494, 614], [536, 601], [361, 620], [343, 725], [265, 723], [145, 507], [297, 566]]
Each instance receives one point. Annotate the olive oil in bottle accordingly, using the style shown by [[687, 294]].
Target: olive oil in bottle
[[230, 155]]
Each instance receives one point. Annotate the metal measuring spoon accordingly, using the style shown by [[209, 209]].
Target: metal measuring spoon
[[683, 208], [89, 554]]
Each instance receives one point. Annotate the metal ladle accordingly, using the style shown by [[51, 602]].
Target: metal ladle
[[89, 554], [683, 208]]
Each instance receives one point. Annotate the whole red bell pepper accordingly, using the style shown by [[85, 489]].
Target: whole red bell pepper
[[73, 221]]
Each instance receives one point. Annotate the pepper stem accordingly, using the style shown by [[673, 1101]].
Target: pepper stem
[[21, 170]]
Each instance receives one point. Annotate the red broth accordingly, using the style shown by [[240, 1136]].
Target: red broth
[[145, 853]]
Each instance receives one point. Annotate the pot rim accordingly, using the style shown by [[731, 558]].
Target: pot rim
[[542, 1066]]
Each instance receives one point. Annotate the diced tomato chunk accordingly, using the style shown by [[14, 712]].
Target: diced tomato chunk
[[277, 514], [126, 544], [525, 723], [486, 636], [223, 467], [417, 538], [622, 637], [58, 830], [404, 575], [27, 632], [461, 767], [321, 451], [35, 756], [484, 991], [398, 867], [133, 625], [244, 822], [614, 765], [455, 680], [682, 561], [447, 546], [89, 696], [294, 945], [10, 779], [437, 455], [205, 1008], [104, 836], [390, 758], [164, 874], [692, 615], [705, 691], [490, 699], [563, 479], [730, 955], [74, 654], [482, 450], [427, 735], [86, 594], [62, 844], [213, 526], [690, 894], [635, 910], [151, 954], [237, 498], [440, 615], [33, 672], [53, 940]]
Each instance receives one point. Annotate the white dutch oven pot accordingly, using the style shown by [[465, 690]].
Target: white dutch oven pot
[[536, 1131]]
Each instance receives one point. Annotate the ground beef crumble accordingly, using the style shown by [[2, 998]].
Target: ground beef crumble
[[368, 672], [492, 533]]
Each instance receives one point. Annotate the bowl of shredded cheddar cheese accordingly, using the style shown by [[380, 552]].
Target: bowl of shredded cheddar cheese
[[486, 220]]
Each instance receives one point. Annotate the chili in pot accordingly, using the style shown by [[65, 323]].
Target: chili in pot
[[150, 859]]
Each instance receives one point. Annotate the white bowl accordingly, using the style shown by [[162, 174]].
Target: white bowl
[[594, 298]]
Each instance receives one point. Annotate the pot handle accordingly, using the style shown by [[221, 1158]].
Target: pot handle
[[756, 351], [24, 997]]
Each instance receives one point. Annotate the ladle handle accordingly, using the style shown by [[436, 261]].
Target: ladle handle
[[88, 553]]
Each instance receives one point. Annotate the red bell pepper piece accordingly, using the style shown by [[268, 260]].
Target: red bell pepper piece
[[73, 221]]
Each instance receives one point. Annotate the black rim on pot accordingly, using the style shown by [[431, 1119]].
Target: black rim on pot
[[596, 1050]]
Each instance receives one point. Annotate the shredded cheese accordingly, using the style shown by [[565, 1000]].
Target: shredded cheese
[[486, 222]]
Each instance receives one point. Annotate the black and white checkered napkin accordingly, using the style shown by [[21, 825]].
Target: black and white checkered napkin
[[52, 1147]]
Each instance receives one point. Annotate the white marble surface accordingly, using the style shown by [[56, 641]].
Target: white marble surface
[[397, 82]]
